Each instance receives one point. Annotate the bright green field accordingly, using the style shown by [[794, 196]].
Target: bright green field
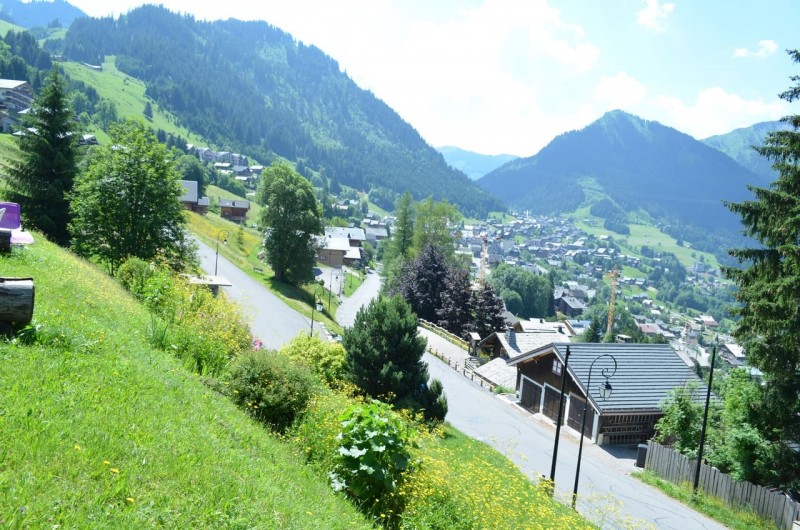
[[127, 93], [100, 430]]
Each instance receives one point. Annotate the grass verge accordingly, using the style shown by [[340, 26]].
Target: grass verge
[[100, 430], [736, 518]]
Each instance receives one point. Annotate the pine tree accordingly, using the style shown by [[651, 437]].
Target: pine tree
[[455, 313], [403, 230], [384, 350], [489, 310], [44, 176], [769, 289], [592, 333]]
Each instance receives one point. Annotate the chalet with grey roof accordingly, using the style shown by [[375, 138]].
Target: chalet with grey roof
[[645, 375]]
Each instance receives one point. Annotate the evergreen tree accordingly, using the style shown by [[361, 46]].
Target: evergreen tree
[[403, 229], [769, 288], [489, 309], [551, 301], [44, 176], [384, 350], [148, 111], [126, 204], [292, 216], [593, 332], [456, 306], [423, 282], [191, 168]]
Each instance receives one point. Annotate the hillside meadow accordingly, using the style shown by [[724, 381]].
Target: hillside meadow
[[100, 430]]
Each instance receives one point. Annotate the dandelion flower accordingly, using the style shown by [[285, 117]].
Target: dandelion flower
[[130, 500], [77, 447], [106, 462], [114, 470]]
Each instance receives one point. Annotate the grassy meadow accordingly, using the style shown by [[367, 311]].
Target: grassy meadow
[[100, 430]]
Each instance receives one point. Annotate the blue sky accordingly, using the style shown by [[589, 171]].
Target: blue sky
[[507, 76]]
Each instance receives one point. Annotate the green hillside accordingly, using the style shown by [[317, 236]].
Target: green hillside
[[99, 430], [128, 95], [251, 88], [738, 144]]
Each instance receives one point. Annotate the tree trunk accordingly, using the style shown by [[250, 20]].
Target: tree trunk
[[16, 300]]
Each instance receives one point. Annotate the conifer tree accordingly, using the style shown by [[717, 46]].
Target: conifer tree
[[43, 177], [769, 289], [384, 350]]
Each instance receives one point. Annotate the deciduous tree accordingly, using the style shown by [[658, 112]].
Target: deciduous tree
[[44, 176], [126, 204], [292, 216], [423, 282], [489, 310]]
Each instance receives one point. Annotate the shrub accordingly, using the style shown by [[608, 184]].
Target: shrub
[[325, 358], [373, 455], [271, 388], [134, 274]]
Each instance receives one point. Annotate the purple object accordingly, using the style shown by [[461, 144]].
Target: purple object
[[9, 220]]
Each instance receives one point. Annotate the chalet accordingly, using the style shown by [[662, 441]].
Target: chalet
[[732, 353], [234, 210], [510, 344], [190, 199], [641, 375], [375, 234], [570, 306], [337, 251], [354, 236], [16, 97]]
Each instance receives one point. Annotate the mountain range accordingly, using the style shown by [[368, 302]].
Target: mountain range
[[474, 165], [643, 167], [738, 144], [39, 13]]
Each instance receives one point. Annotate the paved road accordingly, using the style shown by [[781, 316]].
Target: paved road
[[346, 314], [271, 320], [606, 490]]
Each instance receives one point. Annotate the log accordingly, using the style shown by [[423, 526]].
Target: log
[[16, 300], [5, 240]]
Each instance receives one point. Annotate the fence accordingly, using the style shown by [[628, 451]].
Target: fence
[[462, 369], [768, 503], [449, 337]]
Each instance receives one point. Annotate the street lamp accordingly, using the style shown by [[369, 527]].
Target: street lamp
[[560, 419], [330, 286], [224, 242], [318, 306], [705, 422], [605, 393]]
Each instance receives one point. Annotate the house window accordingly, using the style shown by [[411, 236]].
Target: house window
[[557, 366]]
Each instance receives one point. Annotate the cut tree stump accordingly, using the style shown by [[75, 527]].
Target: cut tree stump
[[16, 300]]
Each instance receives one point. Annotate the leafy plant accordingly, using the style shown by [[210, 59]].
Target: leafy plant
[[374, 454], [325, 358]]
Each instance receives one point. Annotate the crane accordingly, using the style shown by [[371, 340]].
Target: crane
[[614, 275]]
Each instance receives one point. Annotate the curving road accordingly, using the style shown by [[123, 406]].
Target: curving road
[[271, 320]]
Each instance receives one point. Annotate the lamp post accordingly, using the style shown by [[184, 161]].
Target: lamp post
[[318, 306], [560, 419], [705, 422], [605, 393], [330, 285], [224, 242]]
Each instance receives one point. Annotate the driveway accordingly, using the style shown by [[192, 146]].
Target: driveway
[[607, 494], [346, 314], [271, 320]]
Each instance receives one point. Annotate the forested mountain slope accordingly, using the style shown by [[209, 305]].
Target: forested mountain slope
[[474, 165], [252, 88], [640, 165], [738, 144]]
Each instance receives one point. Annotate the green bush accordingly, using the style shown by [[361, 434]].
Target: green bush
[[271, 388], [325, 358], [374, 453], [134, 274]]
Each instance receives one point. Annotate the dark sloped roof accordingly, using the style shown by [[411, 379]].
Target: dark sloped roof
[[645, 372]]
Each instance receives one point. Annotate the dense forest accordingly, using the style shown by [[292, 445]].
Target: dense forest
[[252, 88]]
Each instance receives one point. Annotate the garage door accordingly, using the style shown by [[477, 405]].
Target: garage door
[[576, 415], [531, 396], [551, 400]]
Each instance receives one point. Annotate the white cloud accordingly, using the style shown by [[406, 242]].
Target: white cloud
[[716, 111], [765, 47], [620, 91], [654, 15]]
